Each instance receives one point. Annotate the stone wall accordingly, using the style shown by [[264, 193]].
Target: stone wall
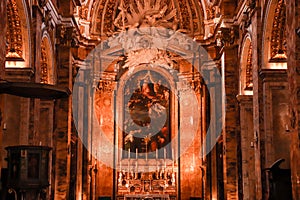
[[293, 49]]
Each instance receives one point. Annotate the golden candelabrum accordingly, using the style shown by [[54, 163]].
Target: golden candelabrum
[[145, 176], [163, 178]]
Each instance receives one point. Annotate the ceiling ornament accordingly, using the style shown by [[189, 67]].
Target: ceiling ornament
[[109, 17], [144, 14]]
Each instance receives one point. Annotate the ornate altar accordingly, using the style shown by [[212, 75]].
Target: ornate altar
[[147, 179]]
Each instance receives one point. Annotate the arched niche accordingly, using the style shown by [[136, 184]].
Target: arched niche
[[274, 50], [17, 35], [245, 80], [46, 62]]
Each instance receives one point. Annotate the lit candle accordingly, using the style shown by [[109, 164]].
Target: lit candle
[[146, 156], [136, 153], [129, 153], [156, 154]]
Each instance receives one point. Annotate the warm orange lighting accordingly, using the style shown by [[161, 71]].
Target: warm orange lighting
[[277, 65], [14, 64]]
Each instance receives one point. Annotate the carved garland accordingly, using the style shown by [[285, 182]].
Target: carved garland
[[14, 32], [44, 63], [278, 40], [249, 79]]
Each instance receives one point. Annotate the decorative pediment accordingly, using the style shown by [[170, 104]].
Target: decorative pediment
[[153, 46], [151, 37]]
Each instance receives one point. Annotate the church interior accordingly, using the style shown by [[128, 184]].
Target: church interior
[[150, 99]]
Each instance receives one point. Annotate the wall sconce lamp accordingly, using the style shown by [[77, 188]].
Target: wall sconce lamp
[[287, 128], [298, 31]]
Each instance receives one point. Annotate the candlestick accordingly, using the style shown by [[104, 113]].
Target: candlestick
[[136, 166], [128, 160], [128, 167], [173, 156], [136, 153]]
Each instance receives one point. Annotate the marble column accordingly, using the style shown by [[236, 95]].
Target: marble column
[[230, 120], [62, 125]]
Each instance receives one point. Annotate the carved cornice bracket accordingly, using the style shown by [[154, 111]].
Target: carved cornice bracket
[[227, 36], [66, 36]]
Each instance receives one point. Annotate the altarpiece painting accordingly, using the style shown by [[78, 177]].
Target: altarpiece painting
[[146, 126]]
